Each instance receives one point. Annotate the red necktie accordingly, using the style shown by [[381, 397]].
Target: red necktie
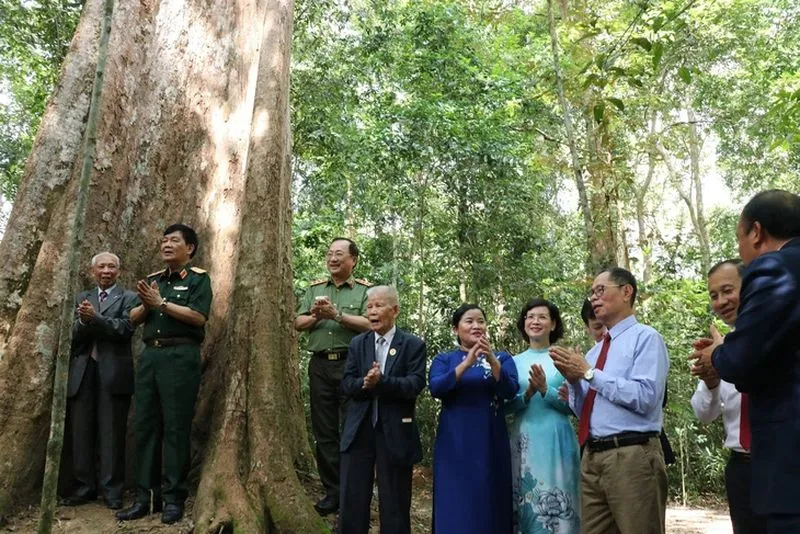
[[744, 423], [588, 404]]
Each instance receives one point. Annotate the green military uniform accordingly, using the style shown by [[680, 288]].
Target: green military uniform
[[167, 381], [328, 341]]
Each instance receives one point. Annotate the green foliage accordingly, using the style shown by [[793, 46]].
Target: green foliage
[[34, 37]]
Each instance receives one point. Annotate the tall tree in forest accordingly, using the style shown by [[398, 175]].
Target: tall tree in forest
[[194, 127]]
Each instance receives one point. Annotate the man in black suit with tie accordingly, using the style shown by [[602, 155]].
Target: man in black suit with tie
[[384, 373], [100, 384], [761, 356]]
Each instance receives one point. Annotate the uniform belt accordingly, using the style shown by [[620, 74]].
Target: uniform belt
[[170, 341], [624, 439], [333, 355]]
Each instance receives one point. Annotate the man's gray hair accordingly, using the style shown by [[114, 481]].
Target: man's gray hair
[[388, 291], [97, 256]]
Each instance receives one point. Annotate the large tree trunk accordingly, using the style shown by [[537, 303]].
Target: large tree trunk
[[193, 127]]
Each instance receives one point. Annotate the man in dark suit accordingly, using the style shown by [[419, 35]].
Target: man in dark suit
[[100, 384], [384, 373], [762, 354]]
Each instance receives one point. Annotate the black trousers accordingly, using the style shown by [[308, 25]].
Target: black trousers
[[737, 486], [99, 424], [327, 418], [366, 455]]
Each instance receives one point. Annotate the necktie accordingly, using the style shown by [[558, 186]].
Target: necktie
[[744, 423], [101, 297], [588, 403], [380, 357]]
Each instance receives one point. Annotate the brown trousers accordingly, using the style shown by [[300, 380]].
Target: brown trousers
[[624, 490]]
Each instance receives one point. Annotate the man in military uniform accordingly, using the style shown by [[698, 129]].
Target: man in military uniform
[[175, 305], [332, 311]]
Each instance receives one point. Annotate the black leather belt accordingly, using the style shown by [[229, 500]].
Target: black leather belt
[[741, 456], [624, 439], [331, 355], [170, 342]]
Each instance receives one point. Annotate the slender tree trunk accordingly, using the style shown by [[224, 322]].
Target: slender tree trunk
[[572, 143], [58, 412], [193, 127], [695, 149]]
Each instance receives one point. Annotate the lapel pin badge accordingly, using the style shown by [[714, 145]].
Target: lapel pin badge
[[392, 351]]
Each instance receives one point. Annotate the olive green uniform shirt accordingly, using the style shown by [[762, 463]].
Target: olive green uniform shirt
[[190, 287], [350, 298]]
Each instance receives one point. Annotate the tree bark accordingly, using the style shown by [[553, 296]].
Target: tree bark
[[193, 127]]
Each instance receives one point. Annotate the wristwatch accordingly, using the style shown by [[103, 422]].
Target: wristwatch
[[589, 374], [338, 317], [163, 303]]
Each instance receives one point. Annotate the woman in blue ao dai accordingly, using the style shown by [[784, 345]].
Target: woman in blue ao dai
[[544, 450], [471, 455]]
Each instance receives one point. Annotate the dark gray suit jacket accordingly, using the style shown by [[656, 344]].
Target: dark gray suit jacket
[[111, 330], [403, 380]]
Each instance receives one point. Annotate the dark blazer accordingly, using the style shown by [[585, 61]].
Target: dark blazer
[[762, 357], [402, 381], [111, 330]]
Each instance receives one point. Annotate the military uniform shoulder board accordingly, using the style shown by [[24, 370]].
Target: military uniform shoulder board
[[364, 282], [198, 270], [319, 281], [156, 273]]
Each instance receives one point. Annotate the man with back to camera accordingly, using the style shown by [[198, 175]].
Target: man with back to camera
[[176, 302], [762, 354], [714, 397], [384, 374], [100, 384], [332, 312], [618, 390]]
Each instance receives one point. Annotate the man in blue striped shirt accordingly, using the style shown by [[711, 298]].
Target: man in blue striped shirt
[[617, 392]]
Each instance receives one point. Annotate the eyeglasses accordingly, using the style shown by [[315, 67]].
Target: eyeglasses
[[541, 317], [598, 291], [338, 255]]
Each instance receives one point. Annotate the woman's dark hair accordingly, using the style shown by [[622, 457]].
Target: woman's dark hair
[[777, 210], [461, 310], [188, 233], [557, 332]]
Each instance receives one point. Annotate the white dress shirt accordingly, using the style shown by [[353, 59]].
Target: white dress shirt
[[381, 352], [725, 399]]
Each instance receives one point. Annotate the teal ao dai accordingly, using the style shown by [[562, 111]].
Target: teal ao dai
[[544, 454]]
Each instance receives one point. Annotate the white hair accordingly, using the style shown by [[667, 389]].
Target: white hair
[[97, 256], [388, 291]]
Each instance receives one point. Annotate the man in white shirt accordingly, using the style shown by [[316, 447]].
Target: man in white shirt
[[714, 397]]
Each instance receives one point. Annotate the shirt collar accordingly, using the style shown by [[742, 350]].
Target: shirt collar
[[350, 282], [182, 273], [623, 325], [388, 336], [108, 291]]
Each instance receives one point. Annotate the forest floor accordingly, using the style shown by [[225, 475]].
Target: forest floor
[[95, 518]]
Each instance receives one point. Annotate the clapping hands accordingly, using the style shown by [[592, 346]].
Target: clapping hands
[[373, 376]]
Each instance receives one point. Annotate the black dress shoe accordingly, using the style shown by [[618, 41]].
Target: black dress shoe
[[172, 513], [138, 510], [114, 504], [77, 500], [327, 505]]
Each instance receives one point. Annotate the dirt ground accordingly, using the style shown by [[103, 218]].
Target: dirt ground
[[95, 518]]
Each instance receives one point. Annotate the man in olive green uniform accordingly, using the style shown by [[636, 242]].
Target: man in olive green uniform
[[332, 312], [175, 305]]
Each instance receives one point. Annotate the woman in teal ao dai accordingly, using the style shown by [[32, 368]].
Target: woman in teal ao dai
[[544, 451]]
